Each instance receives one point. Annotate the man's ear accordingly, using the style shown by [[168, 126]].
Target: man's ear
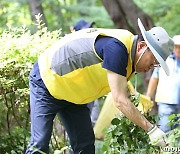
[[141, 45]]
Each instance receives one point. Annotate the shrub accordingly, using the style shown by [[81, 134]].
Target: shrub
[[19, 49], [124, 137]]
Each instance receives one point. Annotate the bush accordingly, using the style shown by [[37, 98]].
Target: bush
[[123, 137], [19, 50]]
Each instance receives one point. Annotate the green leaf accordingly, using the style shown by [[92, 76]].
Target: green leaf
[[115, 121], [172, 116]]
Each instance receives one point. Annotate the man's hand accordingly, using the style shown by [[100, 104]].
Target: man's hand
[[157, 137]]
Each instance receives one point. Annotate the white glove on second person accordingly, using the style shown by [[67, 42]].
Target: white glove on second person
[[157, 137]]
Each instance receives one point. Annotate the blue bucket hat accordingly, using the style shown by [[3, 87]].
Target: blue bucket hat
[[81, 24]]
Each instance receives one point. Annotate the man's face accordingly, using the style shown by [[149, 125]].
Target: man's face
[[177, 51], [147, 61]]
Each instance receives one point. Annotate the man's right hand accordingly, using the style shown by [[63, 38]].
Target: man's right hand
[[157, 137]]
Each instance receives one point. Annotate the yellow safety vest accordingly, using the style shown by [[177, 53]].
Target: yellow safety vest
[[71, 69]]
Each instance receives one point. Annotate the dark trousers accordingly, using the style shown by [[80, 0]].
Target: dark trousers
[[75, 118]]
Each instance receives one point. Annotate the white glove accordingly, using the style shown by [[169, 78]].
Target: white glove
[[157, 137]]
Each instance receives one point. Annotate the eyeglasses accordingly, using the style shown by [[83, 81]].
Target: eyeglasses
[[156, 63]]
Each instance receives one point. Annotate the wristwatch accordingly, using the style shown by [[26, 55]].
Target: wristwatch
[[151, 128]]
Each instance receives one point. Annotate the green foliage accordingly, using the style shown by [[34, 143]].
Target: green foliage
[[15, 142], [88, 11], [19, 50], [164, 13], [124, 137], [62, 14], [58, 14], [65, 14], [14, 12], [174, 135]]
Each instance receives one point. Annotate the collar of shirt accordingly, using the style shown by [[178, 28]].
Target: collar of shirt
[[133, 51]]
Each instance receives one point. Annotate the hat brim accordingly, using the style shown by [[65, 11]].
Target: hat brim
[[89, 25], [153, 50], [176, 40]]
